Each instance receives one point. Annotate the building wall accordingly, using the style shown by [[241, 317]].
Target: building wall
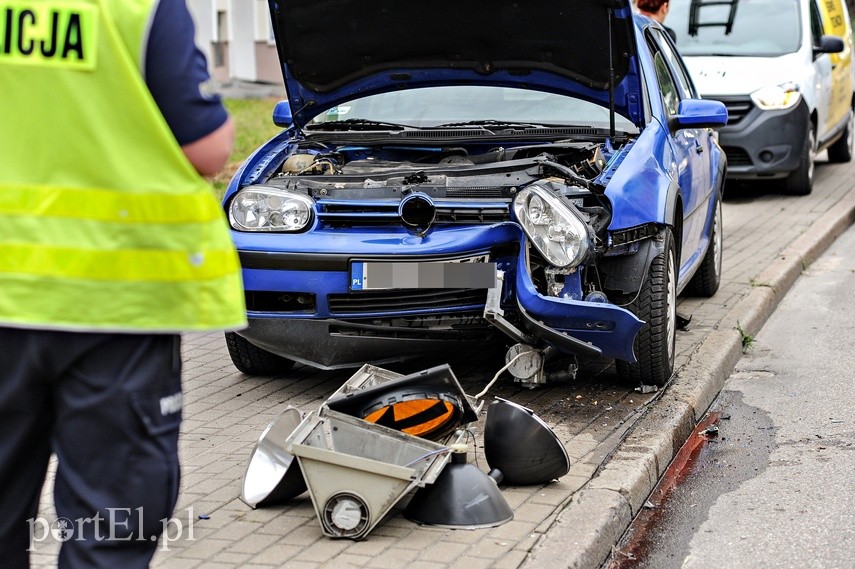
[[267, 61], [237, 40], [242, 23], [202, 12]]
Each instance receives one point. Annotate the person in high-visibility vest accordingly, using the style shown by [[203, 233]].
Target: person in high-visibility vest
[[111, 244]]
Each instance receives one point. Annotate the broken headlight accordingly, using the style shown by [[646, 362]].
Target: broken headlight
[[262, 208], [554, 227]]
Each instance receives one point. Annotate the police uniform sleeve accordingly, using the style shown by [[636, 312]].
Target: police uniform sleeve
[[176, 73]]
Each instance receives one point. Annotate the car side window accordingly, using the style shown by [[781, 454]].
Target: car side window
[[667, 85], [670, 95], [680, 74], [815, 22]]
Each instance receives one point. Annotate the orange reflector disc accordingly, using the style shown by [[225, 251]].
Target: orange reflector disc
[[418, 417]]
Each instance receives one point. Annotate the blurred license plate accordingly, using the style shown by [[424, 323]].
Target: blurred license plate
[[473, 272]]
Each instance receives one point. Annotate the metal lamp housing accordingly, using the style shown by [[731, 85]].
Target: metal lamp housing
[[272, 474], [523, 448], [463, 497]]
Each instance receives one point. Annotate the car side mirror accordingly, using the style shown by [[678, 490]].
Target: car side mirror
[[282, 114], [828, 44], [699, 113]]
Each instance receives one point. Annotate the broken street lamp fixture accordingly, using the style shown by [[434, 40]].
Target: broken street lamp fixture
[[428, 404], [272, 474], [383, 435], [522, 449], [463, 497]]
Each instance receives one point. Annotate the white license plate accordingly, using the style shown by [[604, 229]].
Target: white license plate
[[471, 272]]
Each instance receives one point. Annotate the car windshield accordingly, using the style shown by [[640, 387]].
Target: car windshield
[[475, 105], [762, 28]]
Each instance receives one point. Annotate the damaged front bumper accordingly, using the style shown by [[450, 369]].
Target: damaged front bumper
[[600, 325], [327, 336]]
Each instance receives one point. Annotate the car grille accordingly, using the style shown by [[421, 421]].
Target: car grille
[[345, 214], [457, 327], [408, 299], [737, 156], [737, 107], [277, 301]]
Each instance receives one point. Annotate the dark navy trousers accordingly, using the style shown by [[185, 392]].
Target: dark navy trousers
[[109, 407]]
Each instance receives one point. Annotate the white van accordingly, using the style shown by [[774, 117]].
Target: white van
[[784, 70]]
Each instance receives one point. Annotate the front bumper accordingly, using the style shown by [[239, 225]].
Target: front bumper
[[342, 328], [334, 344], [762, 144]]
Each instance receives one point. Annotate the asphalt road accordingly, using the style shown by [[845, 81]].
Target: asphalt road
[[776, 486]]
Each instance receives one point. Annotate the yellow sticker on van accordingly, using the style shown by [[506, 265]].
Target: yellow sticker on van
[[834, 19]]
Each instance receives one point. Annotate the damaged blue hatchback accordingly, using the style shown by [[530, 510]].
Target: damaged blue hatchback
[[454, 174]]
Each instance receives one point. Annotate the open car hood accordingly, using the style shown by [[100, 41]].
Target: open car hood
[[333, 51]]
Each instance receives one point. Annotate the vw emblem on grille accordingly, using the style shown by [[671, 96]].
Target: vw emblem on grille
[[417, 212]]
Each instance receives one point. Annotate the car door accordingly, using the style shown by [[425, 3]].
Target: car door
[[692, 146], [822, 67], [835, 22]]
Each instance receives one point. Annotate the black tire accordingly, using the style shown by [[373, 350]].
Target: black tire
[[656, 304], [842, 150], [708, 278], [800, 181], [252, 360]]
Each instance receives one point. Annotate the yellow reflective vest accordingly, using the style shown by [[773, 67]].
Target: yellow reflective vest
[[104, 223]]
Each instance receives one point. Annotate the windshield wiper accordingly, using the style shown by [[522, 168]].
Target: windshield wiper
[[493, 124], [499, 126], [356, 124]]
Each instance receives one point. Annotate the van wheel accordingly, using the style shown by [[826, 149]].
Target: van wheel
[[708, 278], [252, 360], [842, 150], [656, 304], [800, 181]]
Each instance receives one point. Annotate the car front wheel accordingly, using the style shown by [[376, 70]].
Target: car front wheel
[[252, 360], [656, 304], [800, 181], [842, 150]]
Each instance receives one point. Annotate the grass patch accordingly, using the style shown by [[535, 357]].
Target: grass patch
[[747, 339], [253, 126]]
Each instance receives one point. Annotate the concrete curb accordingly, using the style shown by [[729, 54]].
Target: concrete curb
[[584, 533]]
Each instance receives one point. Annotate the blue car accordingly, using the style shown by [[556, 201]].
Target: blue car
[[450, 175]]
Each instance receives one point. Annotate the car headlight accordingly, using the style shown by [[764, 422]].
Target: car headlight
[[777, 97], [553, 227], [262, 208]]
